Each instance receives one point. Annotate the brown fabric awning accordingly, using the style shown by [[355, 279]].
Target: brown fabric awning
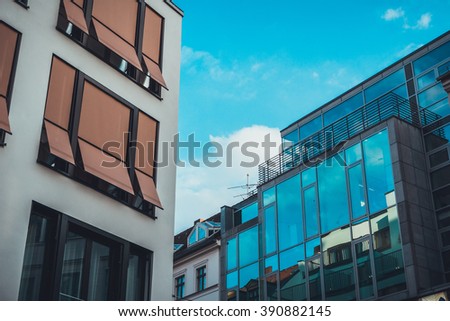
[[146, 140], [104, 120], [151, 43], [60, 91], [75, 15], [118, 15], [59, 143], [116, 44], [7, 49], [148, 189], [105, 167], [4, 119], [155, 72]]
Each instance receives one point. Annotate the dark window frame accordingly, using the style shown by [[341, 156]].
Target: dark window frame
[[23, 3], [94, 46], [76, 172], [119, 256], [11, 77], [200, 273], [180, 283]]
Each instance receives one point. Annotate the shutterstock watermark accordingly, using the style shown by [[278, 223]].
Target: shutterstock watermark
[[246, 154]]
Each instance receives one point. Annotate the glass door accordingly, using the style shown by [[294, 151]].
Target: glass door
[[362, 257]]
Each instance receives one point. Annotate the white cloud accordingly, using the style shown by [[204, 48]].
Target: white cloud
[[202, 191], [424, 21], [392, 14]]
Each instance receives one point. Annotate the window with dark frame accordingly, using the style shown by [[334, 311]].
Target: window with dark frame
[[69, 260], [97, 138], [126, 34], [201, 278], [9, 52], [179, 287], [23, 3]]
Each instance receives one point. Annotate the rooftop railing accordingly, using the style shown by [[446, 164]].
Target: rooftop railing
[[369, 115]]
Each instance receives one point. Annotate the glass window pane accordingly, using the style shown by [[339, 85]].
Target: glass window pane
[[134, 279], [308, 176], [353, 154], [378, 169], [357, 191], [442, 197], [432, 95], [193, 237], [201, 234], [312, 226], [437, 111], [314, 283], [71, 276], [443, 218], [440, 177], [332, 181], [426, 80], [269, 196], [248, 246], [385, 85], [444, 68], [439, 157], [310, 127], [39, 238], [232, 279], [249, 212], [313, 247], [343, 109], [338, 266], [270, 230], [290, 139], [401, 91], [231, 254], [249, 283], [364, 268], [293, 274], [99, 273], [271, 264], [388, 256], [437, 138], [290, 227], [360, 229], [432, 58]]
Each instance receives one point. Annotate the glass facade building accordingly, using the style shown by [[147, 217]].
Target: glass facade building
[[357, 205]]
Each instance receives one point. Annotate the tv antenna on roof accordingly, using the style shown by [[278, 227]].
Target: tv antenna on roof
[[249, 187]]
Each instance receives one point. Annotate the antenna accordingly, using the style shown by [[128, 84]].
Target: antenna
[[249, 187]]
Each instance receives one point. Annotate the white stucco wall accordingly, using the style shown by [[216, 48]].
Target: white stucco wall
[[24, 180]]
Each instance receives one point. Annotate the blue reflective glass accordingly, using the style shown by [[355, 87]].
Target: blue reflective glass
[[332, 186], [401, 91], [269, 196], [444, 68], [357, 191], [308, 176], [388, 258], [437, 138], [248, 246], [312, 226], [378, 169], [432, 95], [248, 274], [353, 154], [193, 237], [290, 139], [343, 109], [385, 85], [270, 230], [290, 227], [249, 212], [201, 234], [231, 254], [232, 279], [271, 264], [426, 80], [310, 127], [432, 58], [293, 274], [439, 109], [313, 247], [360, 228]]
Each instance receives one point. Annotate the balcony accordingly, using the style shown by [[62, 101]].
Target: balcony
[[327, 139]]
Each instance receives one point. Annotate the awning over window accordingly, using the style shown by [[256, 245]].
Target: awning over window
[[105, 167], [146, 141], [75, 15], [155, 72], [148, 189], [59, 143], [7, 49], [116, 44], [4, 120]]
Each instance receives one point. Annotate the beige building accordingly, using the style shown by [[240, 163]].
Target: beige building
[[88, 93]]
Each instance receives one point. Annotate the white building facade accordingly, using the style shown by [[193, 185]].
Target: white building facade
[[89, 91]]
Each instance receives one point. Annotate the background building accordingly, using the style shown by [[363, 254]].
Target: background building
[[357, 205], [84, 92], [196, 261]]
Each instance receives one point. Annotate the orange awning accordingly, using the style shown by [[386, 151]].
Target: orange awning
[[75, 15], [59, 143], [148, 189], [4, 119], [155, 72]]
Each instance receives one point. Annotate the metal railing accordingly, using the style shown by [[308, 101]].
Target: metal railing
[[369, 115]]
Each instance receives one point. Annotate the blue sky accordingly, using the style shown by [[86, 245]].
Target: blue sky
[[253, 67]]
